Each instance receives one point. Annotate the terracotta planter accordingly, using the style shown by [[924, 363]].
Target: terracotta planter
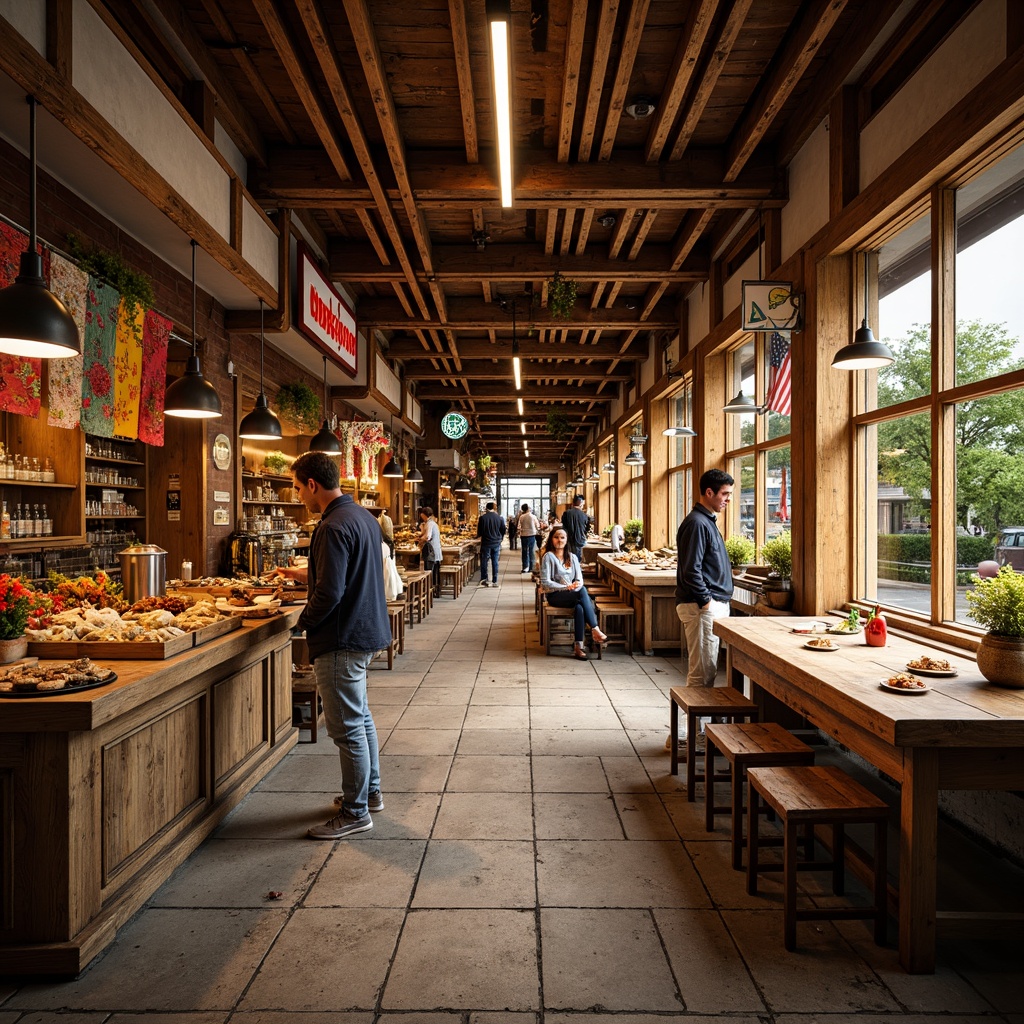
[[1001, 660], [777, 593], [12, 650]]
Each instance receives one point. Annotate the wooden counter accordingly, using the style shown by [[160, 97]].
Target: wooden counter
[[451, 554], [653, 596], [105, 792]]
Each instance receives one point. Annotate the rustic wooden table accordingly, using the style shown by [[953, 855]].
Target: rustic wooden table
[[963, 733]]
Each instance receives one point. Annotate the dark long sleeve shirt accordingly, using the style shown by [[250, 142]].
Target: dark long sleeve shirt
[[490, 528], [575, 522], [702, 569], [346, 610]]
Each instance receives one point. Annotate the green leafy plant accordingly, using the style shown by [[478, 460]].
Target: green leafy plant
[[633, 528], [483, 463], [562, 296], [777, 554], [299, 404], [135, 289], [15, 604], [607, 531], [997, 603], [276, 461], [740, 551], [558, 425]]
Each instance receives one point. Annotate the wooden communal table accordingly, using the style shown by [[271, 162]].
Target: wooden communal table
[[104, 792], [963, 733], [452, 554], [653, 596]]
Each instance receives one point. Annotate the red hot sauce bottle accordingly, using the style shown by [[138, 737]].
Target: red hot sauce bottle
[[875, 629]]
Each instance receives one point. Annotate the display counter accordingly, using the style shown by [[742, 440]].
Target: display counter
[[104, 792], [652, 593]]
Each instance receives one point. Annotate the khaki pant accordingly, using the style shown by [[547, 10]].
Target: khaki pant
[[701, 643]]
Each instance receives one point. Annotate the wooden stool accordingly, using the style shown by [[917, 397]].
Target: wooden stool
[[551, 615], [746, 745], [304, 693], [703, 701], [624, 613], [396, 612], [451, 576], [812, 796]]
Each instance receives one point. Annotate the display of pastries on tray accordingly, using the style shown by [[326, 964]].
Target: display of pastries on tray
[[820, 642], [44, 678], [905, 681], [930, 664], [154, 625]]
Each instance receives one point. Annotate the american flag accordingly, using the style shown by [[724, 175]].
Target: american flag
[[780, 383]]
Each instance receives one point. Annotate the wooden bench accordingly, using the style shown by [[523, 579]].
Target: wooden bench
[[746, 745], [622, 613], [808, 796], [703, 702]]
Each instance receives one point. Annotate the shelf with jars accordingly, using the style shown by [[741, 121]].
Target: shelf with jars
[[115, 482]]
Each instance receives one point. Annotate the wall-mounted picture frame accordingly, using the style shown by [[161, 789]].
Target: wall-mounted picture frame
[[770, 306]]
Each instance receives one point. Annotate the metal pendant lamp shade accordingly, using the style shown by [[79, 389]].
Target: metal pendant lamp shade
[[462, 486], [392, 469], [741, 403], [191, 397], [324, 440], [262, 423], [864, 352], [34, 323], [414, 476], [679, 432]]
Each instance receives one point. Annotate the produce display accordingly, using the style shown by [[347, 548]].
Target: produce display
[[98, 591]]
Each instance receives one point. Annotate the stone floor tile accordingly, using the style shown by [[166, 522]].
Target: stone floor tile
[[305, 774], [300, 1017], [310, 965], [561, 773], [643, 816], [497, 717], [168, 960], [479, 959], [649, 743], [605, 960], [490, 773], [476, 874], [644, 719], [992, 967], [422, 741], [210, 877], [216, 1017], [825, 972], [379, 679], [576, 816], [502, 1018], [643, 696], [627, 775], [442, 695], [643, 1018], [574, 696], [544, 717], [711, 973], [414, 773], [712, 857], [884, 1018], [432, 716], [586, 742], [384, 695], [385, 716], [268, 815], [495, 741], [493, 816], [617, 874], [368, 874], [422, 1018], [511, 696], [405, 816], [572, 675]]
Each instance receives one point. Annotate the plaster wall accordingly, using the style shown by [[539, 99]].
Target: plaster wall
[[732, 290], [697, 315], [28, 19], [259, 244], [230, 152], [807, 209]]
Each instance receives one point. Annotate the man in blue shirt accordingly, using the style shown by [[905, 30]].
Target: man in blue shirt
[[490, 528], [576, 523]]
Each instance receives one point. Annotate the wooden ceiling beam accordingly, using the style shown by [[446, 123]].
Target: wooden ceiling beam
[[464, 73], [571, 77], [534, 393], [628, 46], [598, 64], [688, 236], [566, 369], [406, 349]]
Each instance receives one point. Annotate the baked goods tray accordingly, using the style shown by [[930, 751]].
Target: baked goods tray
[[63, 692], [132, 650]]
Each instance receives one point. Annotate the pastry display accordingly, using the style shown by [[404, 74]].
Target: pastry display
[[930, 664], [47, 678]]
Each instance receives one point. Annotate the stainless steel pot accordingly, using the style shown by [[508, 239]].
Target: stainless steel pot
[[245, 554], [143, 571]]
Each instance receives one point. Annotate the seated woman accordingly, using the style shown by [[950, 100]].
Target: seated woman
[[562, 581]]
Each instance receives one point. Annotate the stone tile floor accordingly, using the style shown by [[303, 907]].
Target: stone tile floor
[[535, 864]]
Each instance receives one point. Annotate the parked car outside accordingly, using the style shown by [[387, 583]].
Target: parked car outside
[[1010, 547]]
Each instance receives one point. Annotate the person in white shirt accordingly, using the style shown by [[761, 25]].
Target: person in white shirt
[[617, 536], [562, 581], [529, 527]]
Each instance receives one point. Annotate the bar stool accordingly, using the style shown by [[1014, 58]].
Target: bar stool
[[451, 577], [813, 795], [305, 694], [396, 612], [701, 702], [607, 614], [746, 745]]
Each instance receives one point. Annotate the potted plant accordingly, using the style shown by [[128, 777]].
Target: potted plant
[[741, 552], [634, 531], [276, 461], [777, 554], [15, 602], [298, 403], [997, 603], [562, 296], [558, 425]]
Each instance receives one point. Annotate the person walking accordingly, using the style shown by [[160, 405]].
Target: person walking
[[346, 623], [562, 582], [576, 522], [430, 547], [703, 577], [529, 527], [490, 528], [513, 531], [387, 528]]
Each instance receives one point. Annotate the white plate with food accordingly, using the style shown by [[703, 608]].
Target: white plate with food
[[809, 627], [940, 668], [844, 629], [905, 683], [821, 643]]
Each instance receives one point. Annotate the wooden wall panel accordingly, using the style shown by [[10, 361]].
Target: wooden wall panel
[[281, 692], [6, 852], [240, 726]]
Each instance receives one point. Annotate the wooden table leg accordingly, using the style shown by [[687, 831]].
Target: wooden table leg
[[733, 675], [919, 822]]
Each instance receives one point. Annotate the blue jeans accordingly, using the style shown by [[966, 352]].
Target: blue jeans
[[341, 680], [529, 544], [489, 552], [581, 604]]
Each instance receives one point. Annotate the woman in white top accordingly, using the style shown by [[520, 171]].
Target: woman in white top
[[430, 541], [562, 581]]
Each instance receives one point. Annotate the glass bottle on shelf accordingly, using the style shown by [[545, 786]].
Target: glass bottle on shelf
[[5, 524], [16, 522], [3, 461], [47, 523], [49, 476]]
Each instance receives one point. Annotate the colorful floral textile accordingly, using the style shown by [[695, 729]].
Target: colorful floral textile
[[128, 371], [98, 352], [64, 385], [19, 378], [156, 332]]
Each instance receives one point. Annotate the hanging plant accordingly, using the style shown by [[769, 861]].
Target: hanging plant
[[298, 403], [483, 463], [558, 423], [562, 296], [135, 289]]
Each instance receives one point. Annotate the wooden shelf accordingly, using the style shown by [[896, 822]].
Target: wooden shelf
[[113, 462], [21, 543], [270, 501], [115, 517], [8, 482], [266, 476], [125, 487]]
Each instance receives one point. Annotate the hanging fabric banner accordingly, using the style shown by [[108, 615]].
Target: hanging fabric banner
[[156, 332], [64, 376], [19, 378], [98, 351], [127, 371]]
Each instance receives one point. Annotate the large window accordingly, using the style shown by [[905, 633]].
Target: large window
[[680, 459]]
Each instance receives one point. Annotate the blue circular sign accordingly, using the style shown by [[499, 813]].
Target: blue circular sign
[[454, 425]]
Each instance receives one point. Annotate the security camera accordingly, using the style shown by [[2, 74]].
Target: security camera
[[641, 107]]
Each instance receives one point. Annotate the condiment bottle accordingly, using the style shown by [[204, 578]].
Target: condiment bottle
[[875, 629]]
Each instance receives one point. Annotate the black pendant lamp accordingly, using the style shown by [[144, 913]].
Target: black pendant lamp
[[262, 423], [191, 397], [34, 323], [864, 352], [392, 469], [414, 476], [324, 439]]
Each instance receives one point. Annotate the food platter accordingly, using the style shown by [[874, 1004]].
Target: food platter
[[844, 629], [937, 673], [811, 646], [813, 628], [908, 691]]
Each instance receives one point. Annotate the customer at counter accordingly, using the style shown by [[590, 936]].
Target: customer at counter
[[430, 546], [346, 623]]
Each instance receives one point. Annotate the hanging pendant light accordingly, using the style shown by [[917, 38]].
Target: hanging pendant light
[[679, 432], [324, 440], [262, 423], [191, 397], [34, 323], [594, 475], [414, 476], [391, 468], [864, 352], [741, 403], [462, 486]]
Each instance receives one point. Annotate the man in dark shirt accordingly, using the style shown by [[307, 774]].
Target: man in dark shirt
[[703, 577], [575, 522], [490, 528], [346, 623]]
